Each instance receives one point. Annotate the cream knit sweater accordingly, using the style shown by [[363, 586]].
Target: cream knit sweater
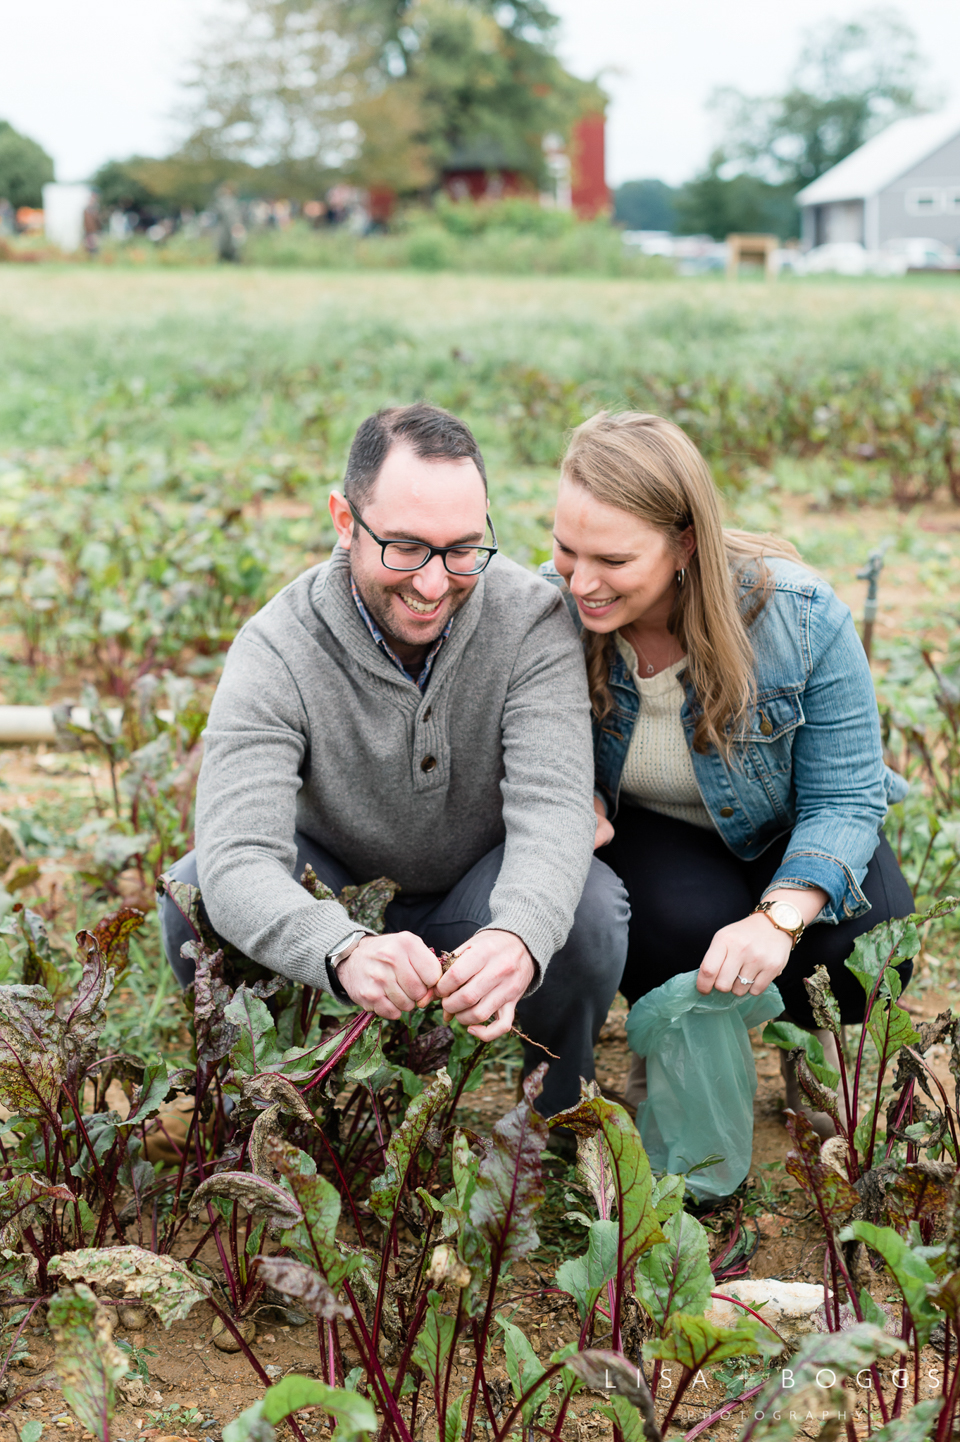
[[658, 772]]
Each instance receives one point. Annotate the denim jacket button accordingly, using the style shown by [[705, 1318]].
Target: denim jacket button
[[726, 810], [766, 727]]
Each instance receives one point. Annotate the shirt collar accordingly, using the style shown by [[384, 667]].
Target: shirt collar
[[377, 634]]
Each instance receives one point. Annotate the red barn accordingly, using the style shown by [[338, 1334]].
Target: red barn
[[589, 194], [483, 171]]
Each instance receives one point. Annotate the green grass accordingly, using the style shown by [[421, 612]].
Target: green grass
[[227, 357]]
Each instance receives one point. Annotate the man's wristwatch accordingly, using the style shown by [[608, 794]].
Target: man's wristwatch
[[785, 917], [340, 953]]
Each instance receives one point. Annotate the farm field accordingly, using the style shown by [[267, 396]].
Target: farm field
[[167, 443]]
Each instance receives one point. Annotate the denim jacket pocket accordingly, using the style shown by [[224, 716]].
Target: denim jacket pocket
[[769, 737]]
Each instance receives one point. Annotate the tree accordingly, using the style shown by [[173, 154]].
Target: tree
[[712, 205], [852, 78], [25, 167], [380, 91], [645, 205], [120, 185]]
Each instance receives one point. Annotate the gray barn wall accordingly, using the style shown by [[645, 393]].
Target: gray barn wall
[[834, 222], [941, 169]]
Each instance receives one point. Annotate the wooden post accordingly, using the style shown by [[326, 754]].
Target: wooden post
[[756, 249]]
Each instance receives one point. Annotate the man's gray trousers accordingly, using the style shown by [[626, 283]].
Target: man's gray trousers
[[565, 1013]]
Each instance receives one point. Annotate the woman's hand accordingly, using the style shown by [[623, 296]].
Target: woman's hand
[[604, 832], [751, 950], [746, 956]]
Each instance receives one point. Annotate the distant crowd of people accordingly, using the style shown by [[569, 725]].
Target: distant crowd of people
[[227, 221]]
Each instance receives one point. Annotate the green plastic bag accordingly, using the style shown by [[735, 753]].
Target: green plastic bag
[[701, 1079]]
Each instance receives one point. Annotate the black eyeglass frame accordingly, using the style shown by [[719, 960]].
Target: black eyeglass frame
[[441, 551]]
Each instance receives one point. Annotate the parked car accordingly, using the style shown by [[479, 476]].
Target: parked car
[[915, 252]]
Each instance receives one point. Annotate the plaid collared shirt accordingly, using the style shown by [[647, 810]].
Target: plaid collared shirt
[[377, 635]]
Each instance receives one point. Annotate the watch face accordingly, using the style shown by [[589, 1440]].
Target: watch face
[[786, 915]]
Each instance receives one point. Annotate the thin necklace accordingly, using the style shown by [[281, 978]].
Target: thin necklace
[[634, 642]]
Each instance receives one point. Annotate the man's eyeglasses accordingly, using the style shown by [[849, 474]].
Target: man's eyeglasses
[[414, 555]]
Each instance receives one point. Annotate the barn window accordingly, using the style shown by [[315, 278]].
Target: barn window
[[923, 200], [951, 200]]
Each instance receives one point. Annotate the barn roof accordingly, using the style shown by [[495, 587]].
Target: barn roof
[[883, 159]]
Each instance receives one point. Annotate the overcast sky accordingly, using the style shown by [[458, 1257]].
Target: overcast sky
[[94, 79]]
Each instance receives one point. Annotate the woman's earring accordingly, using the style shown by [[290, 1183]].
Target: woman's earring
[[681, 576]]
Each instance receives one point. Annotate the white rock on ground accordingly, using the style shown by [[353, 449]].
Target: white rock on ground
[[788, 1306]]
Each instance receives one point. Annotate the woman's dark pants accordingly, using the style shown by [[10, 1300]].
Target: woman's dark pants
[[684, 884]]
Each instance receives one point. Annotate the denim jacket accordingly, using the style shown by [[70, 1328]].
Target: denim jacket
[[811, 762]]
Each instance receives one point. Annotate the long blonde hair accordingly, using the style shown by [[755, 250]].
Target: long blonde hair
[[649, 467]]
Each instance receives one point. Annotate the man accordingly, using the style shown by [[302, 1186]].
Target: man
[[416, 707]]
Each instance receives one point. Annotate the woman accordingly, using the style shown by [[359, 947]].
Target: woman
[[739, 769]]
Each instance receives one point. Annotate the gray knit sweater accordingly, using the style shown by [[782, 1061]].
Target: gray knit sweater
[[314, 729]]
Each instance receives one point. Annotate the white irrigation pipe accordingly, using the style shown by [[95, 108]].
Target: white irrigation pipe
[[29, 725]]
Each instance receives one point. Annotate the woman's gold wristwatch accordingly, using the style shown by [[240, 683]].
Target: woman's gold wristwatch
[[785, 917]]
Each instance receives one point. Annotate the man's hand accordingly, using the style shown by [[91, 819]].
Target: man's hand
[[491, 974], [604, 833], [390, 974]]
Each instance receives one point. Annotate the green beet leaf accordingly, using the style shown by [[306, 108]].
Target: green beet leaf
[[85, 1359], [947, 1295], [604, 1371], [256, 1048], [153, 1092], [694, 1342], [803, 1384], [250, 1426], [584, 1278], [405, 1143], [667, 1196], [877, 951], [364, 1059], [509, 1186], [454, 1206], [315, 1238], [453, 1421], [524, 1368], [787, 1037], [624, 1416], [890, 1028], [636, 1213], [911, 1272], [675, 1276], [434, 1340], [355, 1415]]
